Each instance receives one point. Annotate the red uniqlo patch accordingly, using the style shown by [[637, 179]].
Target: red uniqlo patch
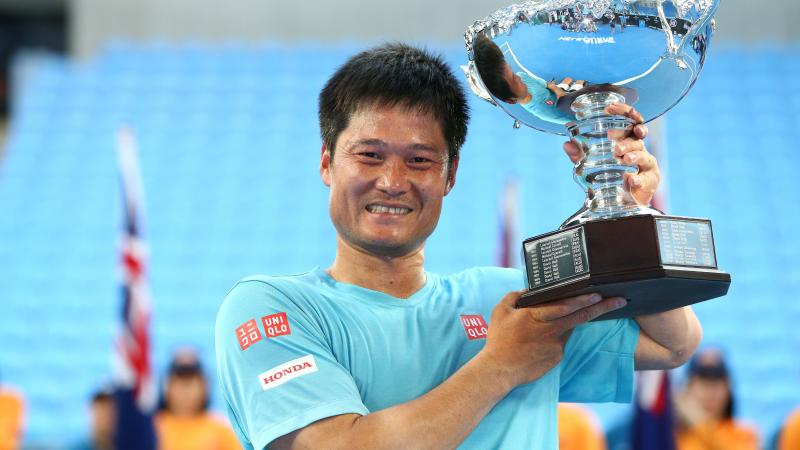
[[248, 334], [474, 326], [276, 325]]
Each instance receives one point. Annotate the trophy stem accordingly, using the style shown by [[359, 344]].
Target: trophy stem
[[600, 173]]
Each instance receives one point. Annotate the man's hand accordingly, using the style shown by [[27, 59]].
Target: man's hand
[[525, 343], [566, 86], [630, 148]]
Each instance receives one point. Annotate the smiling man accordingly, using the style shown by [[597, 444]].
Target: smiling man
[[374, 352]]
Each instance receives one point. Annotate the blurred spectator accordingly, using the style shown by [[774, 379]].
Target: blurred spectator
[[103, 419], [790, 434], [184, 422], [11, 415], [578, 429], [706, 408]]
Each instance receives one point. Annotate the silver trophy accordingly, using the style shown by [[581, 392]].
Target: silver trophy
[[555, 65]]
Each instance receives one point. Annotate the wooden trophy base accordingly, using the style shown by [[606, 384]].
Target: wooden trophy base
[[657, 263]]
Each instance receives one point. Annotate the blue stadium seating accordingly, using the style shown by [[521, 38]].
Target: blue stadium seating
[[229, 147]]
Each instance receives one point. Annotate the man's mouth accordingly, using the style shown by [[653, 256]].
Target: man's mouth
[[393, 210]]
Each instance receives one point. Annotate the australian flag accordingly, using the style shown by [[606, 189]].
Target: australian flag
[[135, 387], [653, 423]]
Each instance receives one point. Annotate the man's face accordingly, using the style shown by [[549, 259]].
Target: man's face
[[387, 179], [515, 83]]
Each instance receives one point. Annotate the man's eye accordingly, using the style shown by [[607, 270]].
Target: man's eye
[[420, 160], [370, 155]]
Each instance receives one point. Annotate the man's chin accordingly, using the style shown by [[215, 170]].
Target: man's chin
[[389, 248], [392, 251]]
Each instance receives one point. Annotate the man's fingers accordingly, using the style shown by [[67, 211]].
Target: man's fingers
[[564, 307], [573, 151], [510, 300], [592, 312], [619, 109], [645, 161], [643, 186], [625, 110], [618, 135], [640, 131], [556, 89], [633, 181], [628, 145], [636, 115]]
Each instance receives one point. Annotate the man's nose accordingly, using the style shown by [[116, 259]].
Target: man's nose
[[393, 179]]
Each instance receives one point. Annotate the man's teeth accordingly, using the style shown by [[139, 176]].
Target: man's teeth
[[378, 209]]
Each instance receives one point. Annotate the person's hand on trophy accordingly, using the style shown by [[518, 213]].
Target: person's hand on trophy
[[565, 86], [631, 149]]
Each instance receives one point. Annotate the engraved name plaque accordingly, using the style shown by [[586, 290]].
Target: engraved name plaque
[[686, 243], [556, 259]]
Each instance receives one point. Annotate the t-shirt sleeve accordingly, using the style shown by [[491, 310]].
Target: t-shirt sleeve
[[598, 362], [276, 368]]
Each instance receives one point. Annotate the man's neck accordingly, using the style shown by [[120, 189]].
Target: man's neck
[[396, 276]]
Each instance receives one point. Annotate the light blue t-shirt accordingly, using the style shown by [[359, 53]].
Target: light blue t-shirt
[[295, 349], [543, 102]]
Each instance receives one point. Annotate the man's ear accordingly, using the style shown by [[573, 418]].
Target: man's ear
[[451, 175], [325, 165]]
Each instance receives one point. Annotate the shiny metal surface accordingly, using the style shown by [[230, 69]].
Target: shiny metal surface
[[649, 51]]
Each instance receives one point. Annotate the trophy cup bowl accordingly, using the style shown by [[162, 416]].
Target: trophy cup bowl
[[646, 53]]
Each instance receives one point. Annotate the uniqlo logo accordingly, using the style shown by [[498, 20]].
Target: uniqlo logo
[[276, 325], [248, 334], [474, 326]]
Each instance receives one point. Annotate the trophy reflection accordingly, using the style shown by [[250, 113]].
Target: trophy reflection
[[557, 67]]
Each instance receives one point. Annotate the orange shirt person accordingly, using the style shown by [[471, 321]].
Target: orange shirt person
[[11, 414], [790, 435], [577, 429], [706, 407], [185, 422]]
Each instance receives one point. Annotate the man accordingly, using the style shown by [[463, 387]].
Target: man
[[375, 352]]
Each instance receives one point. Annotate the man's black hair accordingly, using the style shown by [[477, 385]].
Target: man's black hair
[[491, 66], [390, 75]]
